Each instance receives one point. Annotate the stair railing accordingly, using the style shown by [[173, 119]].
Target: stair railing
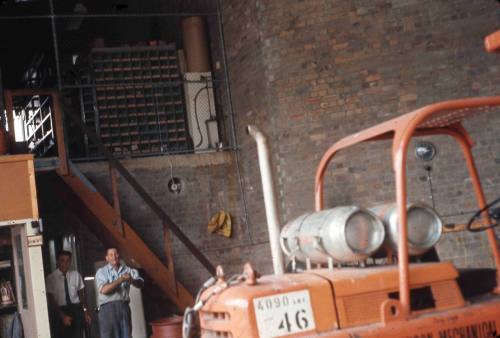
[[115, 167]]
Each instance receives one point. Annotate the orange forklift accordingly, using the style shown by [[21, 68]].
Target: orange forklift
[[339, 285]]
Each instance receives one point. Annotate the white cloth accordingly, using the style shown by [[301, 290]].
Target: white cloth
[[55, 286]]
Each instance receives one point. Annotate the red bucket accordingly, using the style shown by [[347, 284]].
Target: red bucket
[[168, 327]]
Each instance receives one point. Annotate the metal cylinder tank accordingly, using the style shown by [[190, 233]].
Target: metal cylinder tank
[[344, 234], [424, 226]]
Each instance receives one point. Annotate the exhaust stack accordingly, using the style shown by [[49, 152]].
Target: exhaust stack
[[269, 198]]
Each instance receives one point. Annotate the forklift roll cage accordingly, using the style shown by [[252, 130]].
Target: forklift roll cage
[[443, 118]]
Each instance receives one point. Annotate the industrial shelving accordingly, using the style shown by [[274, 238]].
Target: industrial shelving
[[136, 101]]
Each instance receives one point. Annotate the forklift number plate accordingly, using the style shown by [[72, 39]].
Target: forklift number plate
[[283, 314]]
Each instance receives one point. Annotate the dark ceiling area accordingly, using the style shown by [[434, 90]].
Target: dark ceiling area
[[29, 28]]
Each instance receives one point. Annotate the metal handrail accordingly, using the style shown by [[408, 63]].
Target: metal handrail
[[64, 164], [157, 209]]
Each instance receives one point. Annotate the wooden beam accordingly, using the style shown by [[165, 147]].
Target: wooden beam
[[167, 244], [9, 108], [116, 199], [60, 139]]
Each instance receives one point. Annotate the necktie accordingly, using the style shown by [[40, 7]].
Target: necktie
[[66, 290]]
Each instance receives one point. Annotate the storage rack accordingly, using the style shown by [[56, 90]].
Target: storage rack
[[136, 103]]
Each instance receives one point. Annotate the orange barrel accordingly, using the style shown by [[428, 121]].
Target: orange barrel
[[194, 36], [4, 142], [168, 327]]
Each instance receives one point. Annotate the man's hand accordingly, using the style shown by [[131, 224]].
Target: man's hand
[[126, 277], [88, 319], [66, 319], [109, 288]]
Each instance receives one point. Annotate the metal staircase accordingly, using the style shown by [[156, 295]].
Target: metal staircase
[[100, 217]]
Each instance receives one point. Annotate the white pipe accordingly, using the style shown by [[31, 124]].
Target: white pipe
[[270, 202]]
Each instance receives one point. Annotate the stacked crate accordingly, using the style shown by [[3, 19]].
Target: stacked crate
[[139, 105]]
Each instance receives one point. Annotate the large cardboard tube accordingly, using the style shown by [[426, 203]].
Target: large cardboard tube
[[194, 37]]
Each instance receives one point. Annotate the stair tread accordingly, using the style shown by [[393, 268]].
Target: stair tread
[[152, 265]]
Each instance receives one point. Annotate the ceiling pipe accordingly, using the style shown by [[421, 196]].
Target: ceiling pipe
[[269, 198]]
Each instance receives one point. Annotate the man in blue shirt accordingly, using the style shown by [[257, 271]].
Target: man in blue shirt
[[113, 282]]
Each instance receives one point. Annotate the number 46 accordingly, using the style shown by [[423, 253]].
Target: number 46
[[300, 320]]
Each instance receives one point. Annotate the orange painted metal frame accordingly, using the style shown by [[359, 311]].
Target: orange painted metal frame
[[443, 118], [492, 42]]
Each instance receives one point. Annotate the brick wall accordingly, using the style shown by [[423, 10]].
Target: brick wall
[[331, 68], [209, 184], [309, 73]]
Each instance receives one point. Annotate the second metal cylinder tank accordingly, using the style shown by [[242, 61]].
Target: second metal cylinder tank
[[344, 234], [424, 226]]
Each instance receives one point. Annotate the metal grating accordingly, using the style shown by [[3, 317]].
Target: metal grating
[[449, 117], [136, 103]]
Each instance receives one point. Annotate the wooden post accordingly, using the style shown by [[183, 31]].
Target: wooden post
[[9, 107], [116, 199], [61, 143], [167, 243]]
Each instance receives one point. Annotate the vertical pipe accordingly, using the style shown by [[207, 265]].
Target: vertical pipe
[[55, 43], [269, 198], [231, 118], [226, 76]]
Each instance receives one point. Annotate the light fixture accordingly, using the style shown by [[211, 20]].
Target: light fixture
[[175, 185], [425, 151]]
